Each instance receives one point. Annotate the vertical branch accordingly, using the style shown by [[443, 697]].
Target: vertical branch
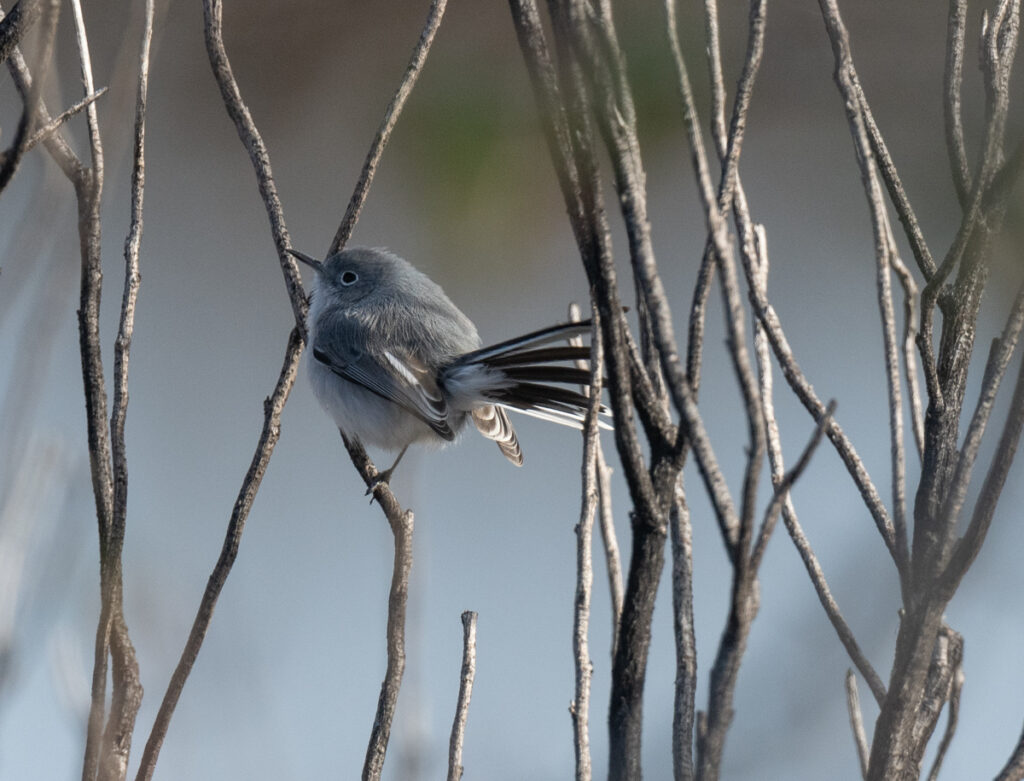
[[603, 476], [465, 692], [89, 189], [397, 601], [845, 77], [685, 637], [953, 77], [580, 707], [127, 692]]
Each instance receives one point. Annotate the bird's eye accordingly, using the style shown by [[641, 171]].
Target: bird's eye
[[349, 278]]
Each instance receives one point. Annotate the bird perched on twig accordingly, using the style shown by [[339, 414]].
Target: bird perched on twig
[[394, 361]]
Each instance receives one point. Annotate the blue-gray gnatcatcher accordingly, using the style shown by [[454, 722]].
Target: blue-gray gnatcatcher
[[395, 361]]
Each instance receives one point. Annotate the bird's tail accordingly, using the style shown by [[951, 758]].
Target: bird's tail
[[525, 374]]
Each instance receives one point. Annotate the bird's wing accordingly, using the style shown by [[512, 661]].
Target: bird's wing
[[391, 374]]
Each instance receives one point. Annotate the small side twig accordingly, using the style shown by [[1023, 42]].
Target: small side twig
[[56, 122], [860, 738], [466, 677]]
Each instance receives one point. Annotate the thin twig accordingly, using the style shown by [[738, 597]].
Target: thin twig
[[781, 494], [391, 114], [909, 344], [609, 539], [894, 185], [127, 694], [584, 668], [860, 738], [789, 516], [854, 100], [685, 637], [54, 124], [953, 77], [88, 188], [466, 676]]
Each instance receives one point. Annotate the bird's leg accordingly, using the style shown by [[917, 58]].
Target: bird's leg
[[383, 478]]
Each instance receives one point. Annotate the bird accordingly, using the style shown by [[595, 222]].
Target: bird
[[395, 362]]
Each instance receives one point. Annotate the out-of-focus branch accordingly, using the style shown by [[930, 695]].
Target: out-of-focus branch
[[466, 676], [391, 114], [11, 29], [14, 25]]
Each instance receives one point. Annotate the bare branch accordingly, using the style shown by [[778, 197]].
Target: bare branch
[[860, 739], [781, 495], [401, 523], [854, 100], [580, 707], [685, 637], [609, 539], [910, 320], [953, 109], [789, 517], [465, 692], [391, 114], [54, 124], [894, 185]]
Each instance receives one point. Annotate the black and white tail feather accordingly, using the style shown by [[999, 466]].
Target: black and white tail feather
[[517, 375]]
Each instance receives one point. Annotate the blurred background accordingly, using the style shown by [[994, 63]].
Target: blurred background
[[287, 682]]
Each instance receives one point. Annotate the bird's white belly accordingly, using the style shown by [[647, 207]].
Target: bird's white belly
[[357, 411]]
